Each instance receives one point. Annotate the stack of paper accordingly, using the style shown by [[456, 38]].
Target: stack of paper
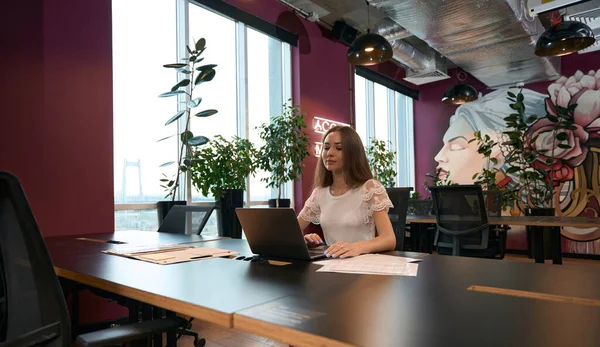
[[171, 254], [372, 264]]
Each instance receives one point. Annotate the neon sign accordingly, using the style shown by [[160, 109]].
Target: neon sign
[[321, 125]]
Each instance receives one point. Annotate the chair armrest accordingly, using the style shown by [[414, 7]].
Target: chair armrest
[[129, 332]]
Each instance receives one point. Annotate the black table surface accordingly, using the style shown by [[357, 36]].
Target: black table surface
[[432, 309]]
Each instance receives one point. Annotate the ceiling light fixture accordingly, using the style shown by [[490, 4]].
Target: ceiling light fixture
[[460, 93], [370, 48], [564, 38]]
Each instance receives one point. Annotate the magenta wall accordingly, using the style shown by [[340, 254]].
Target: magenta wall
[[57, 132]]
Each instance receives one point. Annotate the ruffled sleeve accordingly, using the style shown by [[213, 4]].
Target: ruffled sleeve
[[374, 198], [311, 212]]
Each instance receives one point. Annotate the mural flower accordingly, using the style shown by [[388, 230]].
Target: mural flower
[[580, 89]]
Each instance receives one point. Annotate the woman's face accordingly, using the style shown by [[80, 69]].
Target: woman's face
[[458, 156], [332, 152]]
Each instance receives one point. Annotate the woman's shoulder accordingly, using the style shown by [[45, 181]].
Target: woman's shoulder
[[372, 184]]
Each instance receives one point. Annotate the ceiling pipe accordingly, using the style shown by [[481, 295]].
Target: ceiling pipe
[[391, 30]]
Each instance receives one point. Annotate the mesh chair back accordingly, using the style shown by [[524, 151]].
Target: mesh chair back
[[493, 202], [419, 207], [460, 213], [176, 220], [32, 308], [399, 197]]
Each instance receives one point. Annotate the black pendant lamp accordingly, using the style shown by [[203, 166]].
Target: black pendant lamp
[[370, 48], [564, 38], [460, 93]]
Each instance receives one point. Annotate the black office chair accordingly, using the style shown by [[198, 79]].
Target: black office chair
[[399, 197], [493, 207], [462, 223], [175, 221], [33, 311]]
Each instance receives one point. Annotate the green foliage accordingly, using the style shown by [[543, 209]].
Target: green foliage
[[382, 162], [436, 180], [415, 196], [225, 164], [285, 147], [184, 87], [519, 154]]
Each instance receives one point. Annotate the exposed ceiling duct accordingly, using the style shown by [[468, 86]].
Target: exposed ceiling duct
[[492, 40]]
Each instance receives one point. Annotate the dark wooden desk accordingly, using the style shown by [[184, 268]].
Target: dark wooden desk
[[331, 309], [436, 309]]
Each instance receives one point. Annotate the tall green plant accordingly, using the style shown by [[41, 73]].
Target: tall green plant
[[382, 162], [224, 164], [285, 147], [520, 156], [185, 87]]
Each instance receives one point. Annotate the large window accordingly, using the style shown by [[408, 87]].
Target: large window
[[387, 115], [253, 81]]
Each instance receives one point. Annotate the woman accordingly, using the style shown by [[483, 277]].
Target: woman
[[348, 203], [458, 157]]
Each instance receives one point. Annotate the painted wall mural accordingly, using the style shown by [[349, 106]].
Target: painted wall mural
[[574, 167]]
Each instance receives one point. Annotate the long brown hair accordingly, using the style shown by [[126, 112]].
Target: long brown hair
[[355, 165]]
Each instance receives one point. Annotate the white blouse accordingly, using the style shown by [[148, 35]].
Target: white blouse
[[348, 217]]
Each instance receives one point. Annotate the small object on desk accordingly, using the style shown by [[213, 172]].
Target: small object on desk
[[241, 257], [116, 242], [248, 258]]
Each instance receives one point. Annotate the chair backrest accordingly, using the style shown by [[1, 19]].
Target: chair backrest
[[420, 207], [399, 197], [176, 220], [32, 307], [493, 202], [460, 213]]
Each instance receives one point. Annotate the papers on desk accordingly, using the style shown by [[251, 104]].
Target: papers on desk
[[372, 264], [170, 254]]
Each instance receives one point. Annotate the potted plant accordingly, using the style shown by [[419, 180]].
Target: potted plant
[[194, 75], [382, 162], [221, 170], [285, 147]]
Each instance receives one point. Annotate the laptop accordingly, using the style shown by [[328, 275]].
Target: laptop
[[275, 233]]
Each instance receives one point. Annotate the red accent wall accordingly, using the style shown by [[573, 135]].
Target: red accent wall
[[56, 133]]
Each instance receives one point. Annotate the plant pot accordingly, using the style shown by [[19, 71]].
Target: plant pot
[[282, 202], [228, 221], [163, 208], [547, 231]]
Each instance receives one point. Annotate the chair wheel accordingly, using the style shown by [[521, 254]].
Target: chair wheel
[[199, 342]]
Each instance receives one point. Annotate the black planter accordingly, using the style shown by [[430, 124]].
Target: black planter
[[282, 202], [228, 221], [163, 207], [545, 232]]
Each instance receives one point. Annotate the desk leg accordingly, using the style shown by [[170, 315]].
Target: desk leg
[[157, 313], [538, 244], [556, 247], [171, 335]]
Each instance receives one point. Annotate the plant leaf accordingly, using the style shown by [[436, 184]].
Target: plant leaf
[[194, 103], [562, 136], [206, 67], [181, 83], [167, 164], [189, 49], [175, 65], [563, 146], [164, 138], [206, 113], [186, 136], [197, 141], [200, 44], [175, 117], [171, 93], [205, 76]]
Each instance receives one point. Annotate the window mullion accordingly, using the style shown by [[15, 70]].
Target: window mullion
[[242, 89], [370, 90], [182, 36]]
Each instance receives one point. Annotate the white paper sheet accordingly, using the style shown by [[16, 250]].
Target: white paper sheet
[[374, 264]]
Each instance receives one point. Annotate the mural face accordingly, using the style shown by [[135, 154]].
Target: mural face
[[575, 170]]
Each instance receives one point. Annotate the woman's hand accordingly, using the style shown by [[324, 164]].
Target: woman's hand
[[343, 249], [313, 240]]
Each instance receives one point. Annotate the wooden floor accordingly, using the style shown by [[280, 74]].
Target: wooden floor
[[222, 337]]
